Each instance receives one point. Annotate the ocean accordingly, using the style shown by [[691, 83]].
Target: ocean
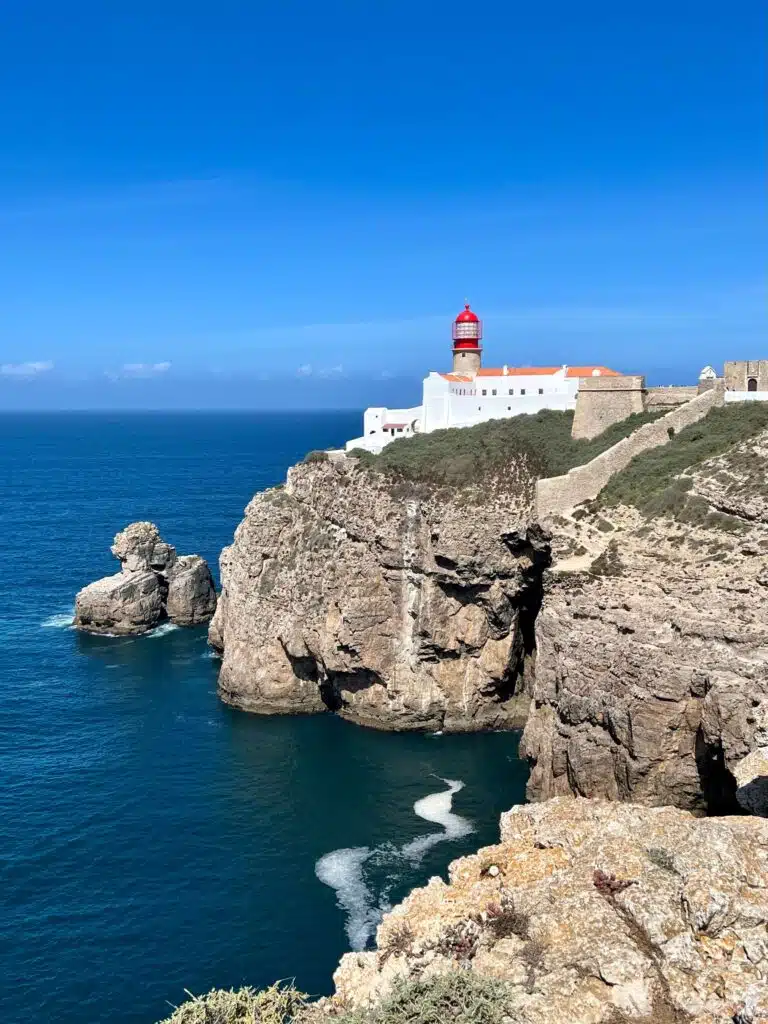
[[153, 840]]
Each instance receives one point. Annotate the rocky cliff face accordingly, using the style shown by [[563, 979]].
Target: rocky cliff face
[[399, 607], [652, 661], [592, 913], [154, 584]]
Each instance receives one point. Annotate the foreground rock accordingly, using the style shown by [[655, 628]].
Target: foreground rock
[[154, 584], [652, 660], [396, 606], [593, 913]]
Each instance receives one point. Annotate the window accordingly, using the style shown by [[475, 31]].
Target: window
[[509, 408], [752, 384], [484, 391], [493, 392], [399, 430], [511, 391], [541, 391], [522, 391]]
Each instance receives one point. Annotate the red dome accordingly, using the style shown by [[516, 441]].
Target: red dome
[[467, 316]]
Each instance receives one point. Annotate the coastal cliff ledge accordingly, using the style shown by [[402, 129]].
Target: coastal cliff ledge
[[399, 606]]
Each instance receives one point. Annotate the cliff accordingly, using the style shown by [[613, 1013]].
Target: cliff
[[652, 641], [398, 605], [591, 912]]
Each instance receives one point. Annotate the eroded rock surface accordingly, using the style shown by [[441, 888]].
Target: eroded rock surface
[[594, 913], [399, 608], [153, 584], [652, 660]]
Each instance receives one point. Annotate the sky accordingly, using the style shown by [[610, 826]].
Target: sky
[[251, 205]]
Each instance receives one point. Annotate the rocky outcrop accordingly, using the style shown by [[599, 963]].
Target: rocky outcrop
[[396, 605], [652, 656], [154, 584], [592, 913]]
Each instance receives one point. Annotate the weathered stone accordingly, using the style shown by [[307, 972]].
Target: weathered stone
[[395, 606], [153, 585], [615, 912], [126, 603], [139, 547], [652, 684], [191, 591]]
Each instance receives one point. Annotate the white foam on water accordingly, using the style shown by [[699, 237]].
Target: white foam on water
[[211, 654], [342, 870], [436, 807], [61, 621], [162, 629]]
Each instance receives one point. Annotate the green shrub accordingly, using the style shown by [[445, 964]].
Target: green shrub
[[279, 1004], [656, 481], [461, 997], [541, 443], [316, 456]]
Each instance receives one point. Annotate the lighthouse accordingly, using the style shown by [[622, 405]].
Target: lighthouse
[[467, 334]]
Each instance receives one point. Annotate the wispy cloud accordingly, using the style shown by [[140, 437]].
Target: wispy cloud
[[139, 370], [25, 369], [323, 372]]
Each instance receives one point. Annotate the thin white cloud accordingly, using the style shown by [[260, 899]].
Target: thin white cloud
[[144, 369], [25, 369], [305, 370], [331, 371]]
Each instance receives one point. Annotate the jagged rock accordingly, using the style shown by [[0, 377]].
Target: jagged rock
[[139, 547], [751, 774], [395, 606], [191, 593], [153, 585], [600, 913], [652, 683], [126, 603]]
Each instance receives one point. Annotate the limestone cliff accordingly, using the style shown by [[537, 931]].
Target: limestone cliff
[[399, 606], [652, 656], [591, 913]]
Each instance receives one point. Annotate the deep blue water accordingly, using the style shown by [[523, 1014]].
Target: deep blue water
[[152, 839]]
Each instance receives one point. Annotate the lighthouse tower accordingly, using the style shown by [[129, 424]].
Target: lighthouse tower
[[467, 334]]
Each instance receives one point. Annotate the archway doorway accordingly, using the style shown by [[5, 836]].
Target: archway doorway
[[752, 384]]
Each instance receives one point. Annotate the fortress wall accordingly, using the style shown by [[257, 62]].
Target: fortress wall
[[602, 401], [559, 494], [669, 397]]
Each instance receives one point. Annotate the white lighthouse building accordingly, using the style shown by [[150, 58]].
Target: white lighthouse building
[[471, 393]]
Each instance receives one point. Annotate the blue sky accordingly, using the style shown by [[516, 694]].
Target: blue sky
[[249, 205]]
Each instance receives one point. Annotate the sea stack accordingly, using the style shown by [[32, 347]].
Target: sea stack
[[154, 584]]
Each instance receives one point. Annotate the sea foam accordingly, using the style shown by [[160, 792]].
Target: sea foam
[[61, 621], [344, 870]]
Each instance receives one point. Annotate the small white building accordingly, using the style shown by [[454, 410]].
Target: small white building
[[472, 394]]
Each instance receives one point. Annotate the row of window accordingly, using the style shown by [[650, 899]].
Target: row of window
[[464, 391]]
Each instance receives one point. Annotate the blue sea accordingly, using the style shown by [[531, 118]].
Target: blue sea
[[153, 840]]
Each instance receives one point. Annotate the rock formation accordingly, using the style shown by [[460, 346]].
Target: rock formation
[[398, 606], [592, 913], [154, 584], [652, 659]]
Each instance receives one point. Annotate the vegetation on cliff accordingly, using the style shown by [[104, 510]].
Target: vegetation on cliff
[[658, 482], [460, 997], [542, 441]]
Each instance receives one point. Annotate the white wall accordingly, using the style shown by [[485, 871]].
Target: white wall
[[746, 396]]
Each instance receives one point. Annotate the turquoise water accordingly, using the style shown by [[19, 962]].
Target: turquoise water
[[152, 839]]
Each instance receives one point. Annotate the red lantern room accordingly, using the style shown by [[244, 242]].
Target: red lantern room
[[467, 333], [467, 329]]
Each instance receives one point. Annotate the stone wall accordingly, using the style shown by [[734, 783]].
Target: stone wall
[[670, 397], [602, 401], [738, 373], [558, 494]]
